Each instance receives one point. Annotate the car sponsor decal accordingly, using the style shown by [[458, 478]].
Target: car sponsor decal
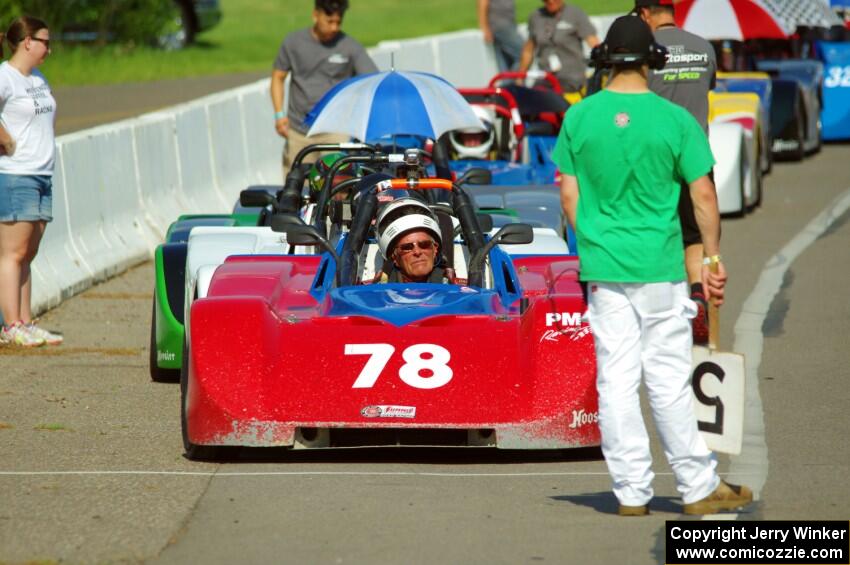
[[581, 418], [388, 411], [564, 323]]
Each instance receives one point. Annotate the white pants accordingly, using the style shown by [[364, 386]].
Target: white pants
[[645, 328]]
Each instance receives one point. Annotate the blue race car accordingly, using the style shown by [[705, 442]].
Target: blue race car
[[796, 106]]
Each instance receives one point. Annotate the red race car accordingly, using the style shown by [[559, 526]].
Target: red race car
[[313, 351]]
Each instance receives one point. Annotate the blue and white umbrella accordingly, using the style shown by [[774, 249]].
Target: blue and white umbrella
[[391, 103]]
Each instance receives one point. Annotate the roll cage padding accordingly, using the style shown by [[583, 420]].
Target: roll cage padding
[[360, 224]]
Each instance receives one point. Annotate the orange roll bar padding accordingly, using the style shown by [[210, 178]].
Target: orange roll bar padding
[[414, 184]]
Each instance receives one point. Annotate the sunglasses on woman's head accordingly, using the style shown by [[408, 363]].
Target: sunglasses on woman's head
[[424, 245], [40, 40]]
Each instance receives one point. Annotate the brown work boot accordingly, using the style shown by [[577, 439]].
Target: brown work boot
[[633, 510], [724, 497]]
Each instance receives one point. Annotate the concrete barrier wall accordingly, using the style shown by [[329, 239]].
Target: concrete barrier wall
[[118, 187]]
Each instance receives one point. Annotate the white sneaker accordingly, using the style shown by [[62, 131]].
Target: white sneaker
[[49, 338], [18, 334]]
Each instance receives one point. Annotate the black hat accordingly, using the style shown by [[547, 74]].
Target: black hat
[[629, 34]]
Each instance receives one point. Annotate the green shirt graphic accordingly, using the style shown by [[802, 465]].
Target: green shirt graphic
[[629, 153]]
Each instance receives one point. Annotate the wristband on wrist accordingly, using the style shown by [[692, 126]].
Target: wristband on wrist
[[279, 115], [712, 259]]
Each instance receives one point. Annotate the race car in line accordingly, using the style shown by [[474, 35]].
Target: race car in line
[[308, 351], [795, 116], [523, 121], [735, 135], [761, 85], [245, 230]]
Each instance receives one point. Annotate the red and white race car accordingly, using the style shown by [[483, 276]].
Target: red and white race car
[[304, 352]]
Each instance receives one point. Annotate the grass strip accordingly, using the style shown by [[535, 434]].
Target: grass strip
[[249, 35]]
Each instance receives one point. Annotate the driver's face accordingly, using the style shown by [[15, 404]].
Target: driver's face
[[472, 139], [416, 263], [326, 26]]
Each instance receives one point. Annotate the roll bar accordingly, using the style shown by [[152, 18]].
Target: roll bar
[[518, 75]]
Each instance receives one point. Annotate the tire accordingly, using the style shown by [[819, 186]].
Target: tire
[[159, 375], [193, 451]]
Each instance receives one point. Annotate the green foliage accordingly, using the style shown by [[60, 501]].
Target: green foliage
[[250, 33], [123, 21]]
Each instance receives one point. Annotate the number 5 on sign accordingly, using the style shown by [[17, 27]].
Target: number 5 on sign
[[427, 358], [718, 384]]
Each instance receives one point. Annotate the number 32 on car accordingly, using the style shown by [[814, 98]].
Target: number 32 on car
[[426, 365]]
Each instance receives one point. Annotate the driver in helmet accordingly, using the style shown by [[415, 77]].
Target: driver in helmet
[[320, 168], [409, 239], [475, 143]]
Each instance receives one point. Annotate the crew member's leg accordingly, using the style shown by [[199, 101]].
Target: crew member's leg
[[298, 141], [508, 46], [625, 443], [665, 313]]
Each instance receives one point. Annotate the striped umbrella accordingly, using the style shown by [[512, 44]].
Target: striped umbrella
[[372, 106], [732, 19]]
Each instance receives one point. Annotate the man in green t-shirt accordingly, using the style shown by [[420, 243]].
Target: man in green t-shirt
[[622, 154]]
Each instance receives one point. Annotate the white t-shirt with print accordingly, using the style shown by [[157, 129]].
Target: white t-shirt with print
[[27, 111]]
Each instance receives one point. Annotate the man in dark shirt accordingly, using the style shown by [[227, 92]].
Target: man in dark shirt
[[555, 35], [318, 58], [688, 75]]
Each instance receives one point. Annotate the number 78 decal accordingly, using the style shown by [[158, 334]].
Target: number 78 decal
[[418, 358]]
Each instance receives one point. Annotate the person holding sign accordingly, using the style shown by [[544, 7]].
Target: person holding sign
[[622, 154]]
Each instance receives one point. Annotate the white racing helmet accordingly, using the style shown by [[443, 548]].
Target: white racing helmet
[[403, 215], [475, 143]]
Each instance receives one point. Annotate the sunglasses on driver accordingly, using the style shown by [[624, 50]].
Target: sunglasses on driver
[[424, 245]]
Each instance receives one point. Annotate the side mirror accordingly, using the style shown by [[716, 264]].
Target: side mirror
[[475, 175], [255, 198], [485, 221], [509, 234], [514, 234]]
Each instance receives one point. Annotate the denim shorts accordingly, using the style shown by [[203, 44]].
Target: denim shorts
[[26, 198]]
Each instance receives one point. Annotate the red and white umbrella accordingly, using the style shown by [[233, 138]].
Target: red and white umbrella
[[732, 19]]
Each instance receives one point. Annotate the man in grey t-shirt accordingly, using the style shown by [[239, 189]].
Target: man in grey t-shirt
[[497, 20], [318, 58], [555, 35], [688, 75]]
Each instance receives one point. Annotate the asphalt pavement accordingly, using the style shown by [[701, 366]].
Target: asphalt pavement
[[80, 107], [91, 466]]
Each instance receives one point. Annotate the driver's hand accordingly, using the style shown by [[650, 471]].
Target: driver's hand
[[282, 126], [488, 36]]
